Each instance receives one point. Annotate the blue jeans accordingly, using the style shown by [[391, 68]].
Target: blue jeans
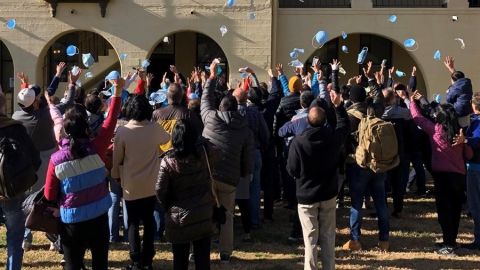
[[114, 212], [473, 195], [15, 223], [255, 189], [366, 180]]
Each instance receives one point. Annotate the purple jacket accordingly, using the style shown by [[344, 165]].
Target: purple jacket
[[445, 157]]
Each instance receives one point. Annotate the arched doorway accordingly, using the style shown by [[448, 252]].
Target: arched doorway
[[185, 50], [105, 56], [379, 48], [7, 76]]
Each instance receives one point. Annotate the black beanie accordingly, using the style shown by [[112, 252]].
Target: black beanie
[[357, 94]]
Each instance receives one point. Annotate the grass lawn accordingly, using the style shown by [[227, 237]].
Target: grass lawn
[[412, 245]]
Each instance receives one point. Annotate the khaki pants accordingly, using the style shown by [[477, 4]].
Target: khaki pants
[[319, 219], [226, 197]]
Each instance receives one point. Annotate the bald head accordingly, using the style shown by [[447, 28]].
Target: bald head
[[240, 95], [316, 116]]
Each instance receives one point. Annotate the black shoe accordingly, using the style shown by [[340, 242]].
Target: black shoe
[[447, 251], [225, 258], [471, 246]]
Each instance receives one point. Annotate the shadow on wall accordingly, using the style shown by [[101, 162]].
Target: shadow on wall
[[162, 20]]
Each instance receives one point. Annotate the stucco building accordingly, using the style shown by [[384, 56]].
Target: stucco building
[[260, 33]]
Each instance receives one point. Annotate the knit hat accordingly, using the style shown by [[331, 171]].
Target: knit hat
[[295, 84], [357, 94], [26, 97]]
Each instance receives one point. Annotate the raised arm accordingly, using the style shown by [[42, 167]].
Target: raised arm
[[425, 124], [72, 85], [450, 64], [52, 88], [105, 134], [412, 83], [208, 98], [283, 79]]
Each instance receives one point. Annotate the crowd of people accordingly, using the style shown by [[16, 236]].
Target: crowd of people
[[177, 161]]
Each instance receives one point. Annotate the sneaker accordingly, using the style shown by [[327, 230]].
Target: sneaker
[[352, 245], [62, 262], [26, 245], [225, 258], [471, 246], [384, 246], [191, 257], [446, 251]]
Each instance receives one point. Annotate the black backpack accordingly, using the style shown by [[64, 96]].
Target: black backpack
[[17, 173]]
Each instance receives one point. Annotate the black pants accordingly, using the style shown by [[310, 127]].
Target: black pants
[[270, 180], [141, 210], [245, 214], [76, 237], [398, 188], [449, 196], [201, 249]]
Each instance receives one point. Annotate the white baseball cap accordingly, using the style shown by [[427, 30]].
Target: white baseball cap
[[26, 97]]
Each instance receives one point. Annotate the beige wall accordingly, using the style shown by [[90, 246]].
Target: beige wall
[[136, 26], [432, 28]]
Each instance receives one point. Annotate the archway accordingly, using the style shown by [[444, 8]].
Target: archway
[[105, 57], [7, 76], [185, 50], [379, 48]]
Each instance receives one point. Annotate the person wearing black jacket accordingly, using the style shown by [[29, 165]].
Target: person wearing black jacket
[[270, 169], [312, 161], [12, 208]]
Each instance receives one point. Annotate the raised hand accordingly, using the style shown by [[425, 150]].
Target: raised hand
[[368, 71], [352, 81], [72, 79], [391, 71], [22, 77], [60, 68], [379, 77], [213, 69], [450, 63], [336, 98], [414, 71], [335, 64], [270, 73], [358, 79], [459, 138], [416, 96], [279, 68]]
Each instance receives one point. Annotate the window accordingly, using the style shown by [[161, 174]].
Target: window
[[315, 4], [409, 3], [378, 49], [474, 3], [6, 76]]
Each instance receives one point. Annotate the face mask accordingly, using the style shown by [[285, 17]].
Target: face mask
[[400, 73], [145, 63], [75, 70], [344, 35], [88, 60], [344, 49], [362, 56], [223, 30], [72, 50], [438, 55], [321, 37]]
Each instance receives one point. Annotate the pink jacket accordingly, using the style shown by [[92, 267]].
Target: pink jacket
[[445, 157]]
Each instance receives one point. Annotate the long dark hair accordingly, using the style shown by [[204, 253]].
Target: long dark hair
[[184, 140], [446, 116], [77, 129]]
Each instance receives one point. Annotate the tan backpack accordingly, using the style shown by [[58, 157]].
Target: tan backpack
[[377, 145]]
